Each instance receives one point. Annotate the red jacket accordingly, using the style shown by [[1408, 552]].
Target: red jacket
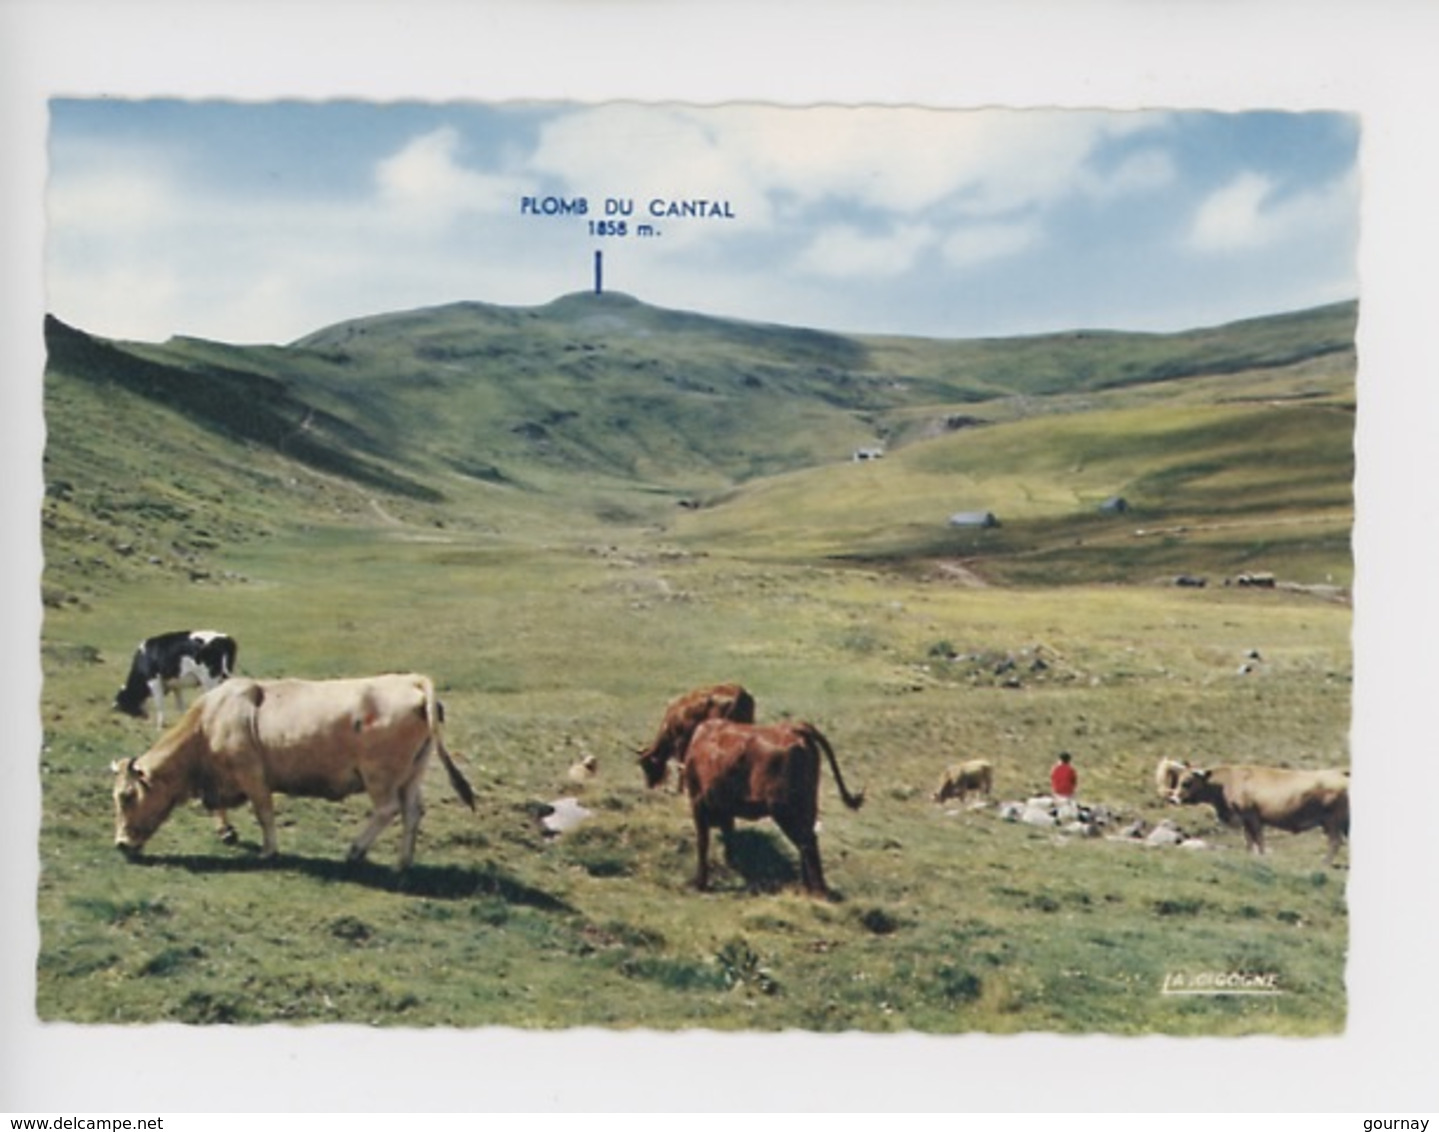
[[1063, 779]]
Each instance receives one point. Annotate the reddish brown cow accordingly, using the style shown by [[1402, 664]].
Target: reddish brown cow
[[1256, 796], [739, 770], [685, 713]]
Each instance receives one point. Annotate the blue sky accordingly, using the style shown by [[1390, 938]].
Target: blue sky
[[259, 221]]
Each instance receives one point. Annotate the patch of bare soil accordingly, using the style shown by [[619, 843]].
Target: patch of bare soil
[[957, 572]]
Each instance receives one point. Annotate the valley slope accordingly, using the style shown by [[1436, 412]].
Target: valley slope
[[1232, 446]]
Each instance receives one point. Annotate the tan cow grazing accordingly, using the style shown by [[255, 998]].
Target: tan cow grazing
[[682, 715], [1166, 775], [959, 780], [1259, 796], [252, 739], [739, 770]]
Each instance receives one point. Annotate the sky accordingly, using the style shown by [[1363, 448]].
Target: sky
[[261, 221]]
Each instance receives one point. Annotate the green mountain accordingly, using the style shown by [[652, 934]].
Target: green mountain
[[598, 409]]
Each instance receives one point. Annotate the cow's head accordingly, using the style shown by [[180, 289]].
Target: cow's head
[[654, 764], [1190, 786], [139, 807], [131, 700]]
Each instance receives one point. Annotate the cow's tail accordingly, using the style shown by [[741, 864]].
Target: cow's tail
[[853, 801], [434, 716]]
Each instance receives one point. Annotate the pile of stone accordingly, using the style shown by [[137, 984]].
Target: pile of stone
[[1166, 833], [1066, 815], [1083, 819]]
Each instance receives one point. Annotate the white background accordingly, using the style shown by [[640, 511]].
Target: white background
[[1377, 59]]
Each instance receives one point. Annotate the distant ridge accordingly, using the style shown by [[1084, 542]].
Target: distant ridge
[[609, 385], [606, 409]]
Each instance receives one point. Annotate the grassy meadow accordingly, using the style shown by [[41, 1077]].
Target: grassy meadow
[[558, 612]]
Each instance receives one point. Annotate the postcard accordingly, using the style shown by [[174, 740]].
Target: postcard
[[656, 573]]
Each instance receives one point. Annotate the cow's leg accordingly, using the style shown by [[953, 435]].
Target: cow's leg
[[811, 871], [702, 851], [412, 809], [223, 829], [384, 813], [1336, 839], [726, 828], [263, 803], [157, 695], [1253, 833], [800, 830]]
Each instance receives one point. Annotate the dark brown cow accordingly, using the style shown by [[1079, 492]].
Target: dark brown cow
[[685, 713], [739, 770], [1256, 796], [252, 739]]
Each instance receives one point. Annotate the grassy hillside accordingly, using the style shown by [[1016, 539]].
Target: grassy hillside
[[946, 921], [600, 410], [1088, 360], [1210, 488], [493, 496]]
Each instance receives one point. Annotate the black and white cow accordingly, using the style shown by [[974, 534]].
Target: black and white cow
[[198, 658]]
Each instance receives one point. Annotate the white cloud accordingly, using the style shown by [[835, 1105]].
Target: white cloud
[[641, 152], [1142, 172], [894, 160], [1249, 213], [425, 182], [122, 200], [111, 298], [1232, 218], [843, 252], [982, 243], [133, 252]]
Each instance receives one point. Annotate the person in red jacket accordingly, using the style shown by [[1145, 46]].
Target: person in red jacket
[[1063, 779]]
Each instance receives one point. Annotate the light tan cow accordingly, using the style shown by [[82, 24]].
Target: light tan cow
[[961, 779], [1166, 775], [1259, 796], [252, 739]]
